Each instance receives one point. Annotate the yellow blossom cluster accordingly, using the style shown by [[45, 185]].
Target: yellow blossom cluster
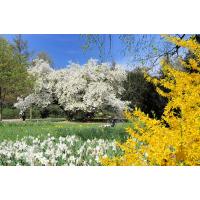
[[175, 138]]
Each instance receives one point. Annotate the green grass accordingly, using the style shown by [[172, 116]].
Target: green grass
[[18, 130]]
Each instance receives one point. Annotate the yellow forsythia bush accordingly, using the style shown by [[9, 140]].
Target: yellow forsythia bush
[[175, 139]]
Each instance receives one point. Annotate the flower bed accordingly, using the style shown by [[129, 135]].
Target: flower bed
[[70, 150]]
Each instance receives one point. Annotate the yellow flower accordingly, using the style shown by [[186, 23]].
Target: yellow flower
[[175, 139]]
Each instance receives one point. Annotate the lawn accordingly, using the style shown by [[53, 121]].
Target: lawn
[[49, 142], [15, 131]]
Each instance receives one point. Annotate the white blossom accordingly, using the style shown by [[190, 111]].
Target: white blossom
[[90, 87]]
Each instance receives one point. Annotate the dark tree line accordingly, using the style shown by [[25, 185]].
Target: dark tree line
[[142, 94]]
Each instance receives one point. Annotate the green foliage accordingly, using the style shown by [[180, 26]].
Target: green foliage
[[79, 115], [142, 94], [52, 110], [14, 78], [10, 113]]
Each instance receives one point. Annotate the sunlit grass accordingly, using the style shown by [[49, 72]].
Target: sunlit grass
[[14, 131]]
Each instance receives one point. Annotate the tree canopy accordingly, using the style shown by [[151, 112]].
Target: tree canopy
[[14, 78], [89, 88]]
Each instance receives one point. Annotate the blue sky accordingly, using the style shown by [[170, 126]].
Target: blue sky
[[65, 47]]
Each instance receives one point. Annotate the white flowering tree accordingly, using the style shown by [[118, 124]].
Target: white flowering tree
[[90, 88]]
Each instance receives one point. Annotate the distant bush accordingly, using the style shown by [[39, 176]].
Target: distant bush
[[52, 111], [10, 113], [56, 111]]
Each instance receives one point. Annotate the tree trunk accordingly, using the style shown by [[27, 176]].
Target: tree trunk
[[30, 112], [1, 103]]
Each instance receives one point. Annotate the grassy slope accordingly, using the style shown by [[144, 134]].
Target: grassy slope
[[12, 131]]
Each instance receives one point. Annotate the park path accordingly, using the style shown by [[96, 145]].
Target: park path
[[45, 120], [11, 120]]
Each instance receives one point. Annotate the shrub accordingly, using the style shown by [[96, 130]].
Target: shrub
[[175, 138], [10, 113]]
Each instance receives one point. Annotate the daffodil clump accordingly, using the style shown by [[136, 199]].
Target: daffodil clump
[[175, 138], [69, 151]]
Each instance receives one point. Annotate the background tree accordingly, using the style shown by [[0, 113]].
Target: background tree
[[21, 47], [14, 78], [79, 90], [46, 57], [142, 94], [140, 49]]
